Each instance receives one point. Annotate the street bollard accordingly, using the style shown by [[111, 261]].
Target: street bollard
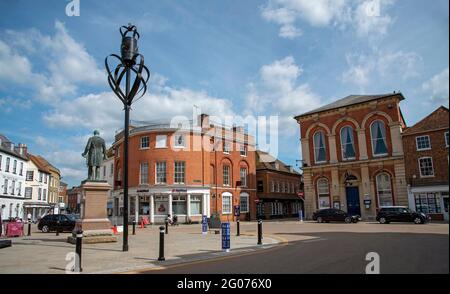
[[78, 251], [167, 226], [161, 244], [238, 233], [29, 228], [134, 227], [259, 232], [57, 228]]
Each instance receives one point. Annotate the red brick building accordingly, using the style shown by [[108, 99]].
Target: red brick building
[[73, 200], [279, 188], [353, 155], [189, 170], [426, 161]]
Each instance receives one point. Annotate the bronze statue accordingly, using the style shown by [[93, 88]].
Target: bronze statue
[[96, 153]]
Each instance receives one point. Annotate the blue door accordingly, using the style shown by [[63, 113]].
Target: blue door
[[353, 206]]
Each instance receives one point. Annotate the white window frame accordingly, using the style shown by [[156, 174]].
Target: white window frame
[[175, 172], [316, 148], [226, 147], [344, 144], [247, 203], [243, 150], [159, 138], [230, 197], [377, 188], [228, 177], [157, 181], [175, 141], [29, 172], [141, 143], [417, 143], [319, 193], [243, 182], [196, 199], [141, 166], [372, 139], [432, 167]]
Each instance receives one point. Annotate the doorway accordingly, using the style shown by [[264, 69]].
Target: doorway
[[353, 204]]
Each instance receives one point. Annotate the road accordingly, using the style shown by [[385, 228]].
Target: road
[[335, 253]]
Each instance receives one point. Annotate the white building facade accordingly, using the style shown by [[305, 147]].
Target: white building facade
[[13, 166], [36, 190]]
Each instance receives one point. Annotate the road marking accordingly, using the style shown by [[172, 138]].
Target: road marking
[[284, 242], [314, 240]]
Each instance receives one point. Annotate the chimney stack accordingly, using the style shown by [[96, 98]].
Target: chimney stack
[[203, 120], [23, 149]]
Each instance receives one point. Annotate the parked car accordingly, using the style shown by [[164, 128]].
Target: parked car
[[52, 222], [334, 215], [401, 214]]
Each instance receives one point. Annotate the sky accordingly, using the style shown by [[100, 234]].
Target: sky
[[262, 58]]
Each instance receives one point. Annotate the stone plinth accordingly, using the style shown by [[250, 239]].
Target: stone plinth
[[94, 221]]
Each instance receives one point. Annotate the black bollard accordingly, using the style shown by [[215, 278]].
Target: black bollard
[[57, 228], [134, 227], [259, 232], [161, 244], [167, 226], [29, 228], [238, 233], [78, 251]]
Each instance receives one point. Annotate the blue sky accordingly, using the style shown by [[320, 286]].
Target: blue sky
[[267, 57]]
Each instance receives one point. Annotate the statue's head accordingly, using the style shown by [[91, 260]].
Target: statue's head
[[96, 133]]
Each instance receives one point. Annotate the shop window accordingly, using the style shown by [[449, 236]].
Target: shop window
[[428, 203], [196, 204], [179, 206]]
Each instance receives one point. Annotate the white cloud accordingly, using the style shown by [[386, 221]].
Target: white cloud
[[364, 69], [438, 88], [367, 17], [67, 62], [278, 93]]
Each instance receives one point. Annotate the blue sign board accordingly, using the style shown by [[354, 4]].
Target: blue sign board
[[226, 236], [204, 224]]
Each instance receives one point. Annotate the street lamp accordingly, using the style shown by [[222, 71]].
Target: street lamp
[[131, 65]]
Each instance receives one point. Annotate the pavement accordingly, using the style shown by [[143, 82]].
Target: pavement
[[288, 247]]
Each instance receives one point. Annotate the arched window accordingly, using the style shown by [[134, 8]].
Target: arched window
[[347, 143], [319, 147], [323, 193], [384, 190], [378, 136]]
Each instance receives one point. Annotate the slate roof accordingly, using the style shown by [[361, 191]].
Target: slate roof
[[265, 161], [5, 147], [350, 100], [438, 119]]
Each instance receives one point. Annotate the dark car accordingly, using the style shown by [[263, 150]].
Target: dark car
[[400, 214], [334, 215], [52, 222]]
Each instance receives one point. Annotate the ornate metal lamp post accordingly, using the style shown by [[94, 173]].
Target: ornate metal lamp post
[[131, 65]]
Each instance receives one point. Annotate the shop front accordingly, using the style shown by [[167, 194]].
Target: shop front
[[431, 200], [36, 209], [156, 204], [277, 208]]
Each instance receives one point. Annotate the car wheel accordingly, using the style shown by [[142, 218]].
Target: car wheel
[[418, 221], [45, 229], [319, 220], [383, 220], [348, 220]]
